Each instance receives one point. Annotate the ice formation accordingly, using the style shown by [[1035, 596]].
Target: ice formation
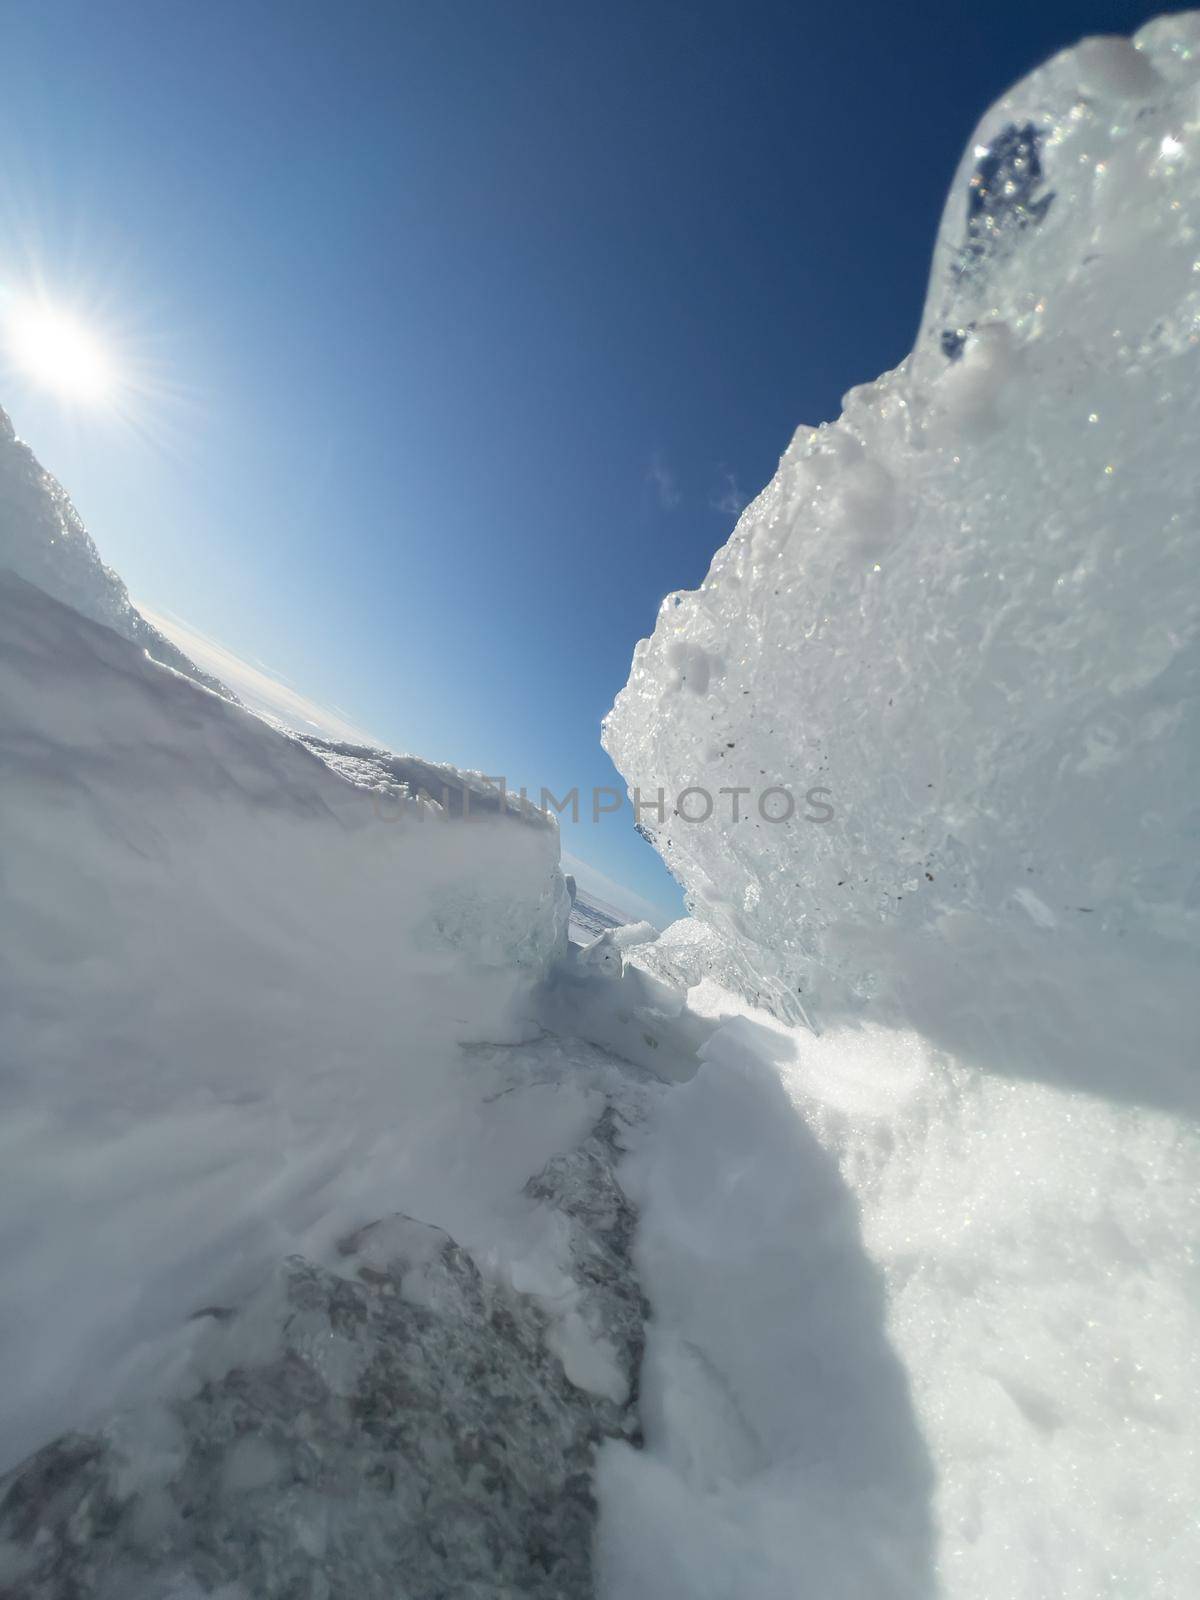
[[595, 993], [43, 540], [217, 950], [968, 610]]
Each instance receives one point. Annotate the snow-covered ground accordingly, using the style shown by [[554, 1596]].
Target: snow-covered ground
[[918, 1330], [235, 991], [916, 1284]]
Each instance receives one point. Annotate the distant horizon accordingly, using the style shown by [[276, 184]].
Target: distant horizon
[[265, 692], [255, 685]]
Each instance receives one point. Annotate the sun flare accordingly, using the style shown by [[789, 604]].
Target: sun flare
[[59, 352]]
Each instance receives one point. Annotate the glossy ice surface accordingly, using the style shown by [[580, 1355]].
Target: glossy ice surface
[[968, 609]]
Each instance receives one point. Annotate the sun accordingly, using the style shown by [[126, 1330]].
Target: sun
[[59, 352]]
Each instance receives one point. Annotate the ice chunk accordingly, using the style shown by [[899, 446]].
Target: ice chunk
[[967, 613], [595, 994], [43, 539]]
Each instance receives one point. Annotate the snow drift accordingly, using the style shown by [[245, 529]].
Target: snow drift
[[917, 1330], [234, 989], [968, 609]]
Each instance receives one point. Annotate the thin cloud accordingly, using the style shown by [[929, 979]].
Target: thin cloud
[[665, 484], [728, 497]]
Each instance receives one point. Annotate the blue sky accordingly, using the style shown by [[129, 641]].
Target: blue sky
[[457, 334]]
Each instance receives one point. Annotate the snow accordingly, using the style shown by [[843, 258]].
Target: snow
[[917, 1329], [968, 610], [778, 1421], [236, 995]]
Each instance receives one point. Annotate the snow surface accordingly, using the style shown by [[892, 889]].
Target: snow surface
[[236, 988], [968, 609], [917, 1331]]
